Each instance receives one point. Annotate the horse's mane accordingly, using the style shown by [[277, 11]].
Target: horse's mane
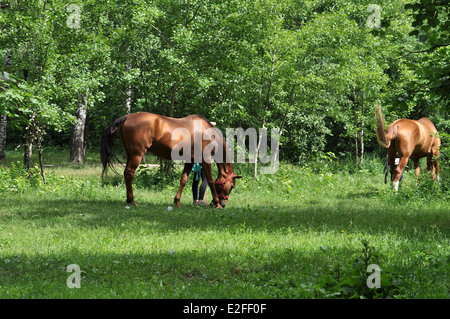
[[227, 158], [204, 119]]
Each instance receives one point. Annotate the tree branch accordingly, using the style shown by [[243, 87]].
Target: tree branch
[[426, 50], [162, 36], [193, 16]]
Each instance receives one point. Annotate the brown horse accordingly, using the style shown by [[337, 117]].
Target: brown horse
[[142, 132], [408, 138]]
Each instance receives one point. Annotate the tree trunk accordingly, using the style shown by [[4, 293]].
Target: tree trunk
[[356, 125], [29, 137], [128, 92], [128, 100], [172, 99], [255, 173], [3, 122], [39, 139], [287, 109], [3, 117], [86, 131], [78, 138], [27, 153], [362, 127], [28, 147], [169, 163]]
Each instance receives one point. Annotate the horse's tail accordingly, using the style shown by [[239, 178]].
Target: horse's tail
[[383, 139], [107, 144]]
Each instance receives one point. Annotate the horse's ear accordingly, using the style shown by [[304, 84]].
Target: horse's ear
[[237, 176]]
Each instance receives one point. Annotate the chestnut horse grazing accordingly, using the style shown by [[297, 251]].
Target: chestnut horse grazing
[[408, 138], [142, 132]]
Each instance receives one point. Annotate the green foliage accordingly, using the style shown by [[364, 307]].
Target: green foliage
[[431, 21], [313, 68], [425, 190], [26, 104], [431, 24], [18, 179], [444, 158], [151, 178], [349, 280]]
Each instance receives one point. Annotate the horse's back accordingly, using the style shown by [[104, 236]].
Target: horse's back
[[170, 122], [403, 128], [428, 124], [416, 137], [432, 132], [148, 131], [141, 117]]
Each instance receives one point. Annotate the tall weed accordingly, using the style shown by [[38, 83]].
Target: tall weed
[[18, 179], [350, 279]]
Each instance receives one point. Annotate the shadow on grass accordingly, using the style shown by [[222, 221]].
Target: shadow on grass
[[194, 274], [347, 215]]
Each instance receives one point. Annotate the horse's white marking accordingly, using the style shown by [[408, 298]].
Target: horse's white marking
[[395, 184]]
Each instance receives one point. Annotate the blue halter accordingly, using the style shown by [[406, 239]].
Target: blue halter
[[197, 168]]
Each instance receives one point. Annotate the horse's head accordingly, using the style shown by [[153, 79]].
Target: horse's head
[[224, 185]]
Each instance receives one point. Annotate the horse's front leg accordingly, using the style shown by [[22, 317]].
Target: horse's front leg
[[184, 178], [208, 174]]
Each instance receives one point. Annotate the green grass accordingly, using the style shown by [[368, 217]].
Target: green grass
[[57, 156], [304, 232]]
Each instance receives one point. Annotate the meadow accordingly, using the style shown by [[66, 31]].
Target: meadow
[[306, 232]]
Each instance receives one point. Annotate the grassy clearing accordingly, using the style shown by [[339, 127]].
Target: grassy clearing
[[305, 232]]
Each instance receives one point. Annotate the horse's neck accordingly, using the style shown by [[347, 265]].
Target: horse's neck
[[225, 168]]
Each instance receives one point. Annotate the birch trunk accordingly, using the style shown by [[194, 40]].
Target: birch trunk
[[78, 138], [356, 125], [362, 127]]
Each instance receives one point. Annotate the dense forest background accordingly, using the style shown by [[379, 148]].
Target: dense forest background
[[313, 68]]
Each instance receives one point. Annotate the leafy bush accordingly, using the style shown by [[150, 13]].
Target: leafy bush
[[350, 280], [147, 177], [444, 158], [17, 178]]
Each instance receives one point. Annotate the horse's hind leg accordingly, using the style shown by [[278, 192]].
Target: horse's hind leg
[[399, 171], [391, 163], [130, 169], [436, 164], [433, 164], [417, 168], [184, 178]]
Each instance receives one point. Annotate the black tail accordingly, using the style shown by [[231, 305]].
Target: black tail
[[107, 143]]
